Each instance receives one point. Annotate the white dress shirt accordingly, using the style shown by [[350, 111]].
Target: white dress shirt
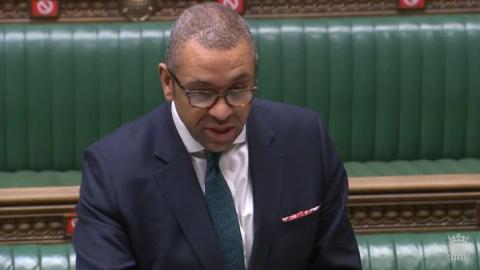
[[234, 167]]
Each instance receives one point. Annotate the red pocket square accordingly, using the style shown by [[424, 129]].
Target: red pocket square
[[301, 214]]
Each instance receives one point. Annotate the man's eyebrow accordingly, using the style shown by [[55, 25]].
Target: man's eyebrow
[[199, 84], [202, 83], [243, 76]]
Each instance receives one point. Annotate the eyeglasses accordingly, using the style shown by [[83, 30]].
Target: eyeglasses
[[203, 99]]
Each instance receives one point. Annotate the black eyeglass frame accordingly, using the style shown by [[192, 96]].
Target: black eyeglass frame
[[225, 94]]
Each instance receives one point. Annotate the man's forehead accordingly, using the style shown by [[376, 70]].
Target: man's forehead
[[218, 45], [241, 53]]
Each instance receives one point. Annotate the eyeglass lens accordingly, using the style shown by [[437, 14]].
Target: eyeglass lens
[[237, 98]]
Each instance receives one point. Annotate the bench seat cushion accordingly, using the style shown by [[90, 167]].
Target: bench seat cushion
[[420, 251], [26, 178], [33, 257], [404, 251], [417, 167], [39, 179], [354, 169]]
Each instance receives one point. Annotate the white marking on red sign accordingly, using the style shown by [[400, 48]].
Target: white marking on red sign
[[71, 220], [45, 7], [412, 4], [233, 4]]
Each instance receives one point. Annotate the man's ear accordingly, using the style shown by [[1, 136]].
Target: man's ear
[[166, 80]]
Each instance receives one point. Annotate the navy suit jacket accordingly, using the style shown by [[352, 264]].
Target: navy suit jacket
[[141, 206]]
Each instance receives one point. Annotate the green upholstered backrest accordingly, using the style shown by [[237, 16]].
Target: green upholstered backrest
[[37, 257], [64, 86], [389, 88], [420, 251], [423, 251]]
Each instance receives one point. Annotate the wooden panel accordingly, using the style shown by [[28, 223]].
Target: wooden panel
[[39, 196], [43, 214], [143, 10], [414, 183], [376, 204]]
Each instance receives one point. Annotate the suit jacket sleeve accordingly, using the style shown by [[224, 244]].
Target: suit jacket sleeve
[[336, 247], [100, 240]]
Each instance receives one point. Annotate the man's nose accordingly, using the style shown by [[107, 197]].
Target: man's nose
[[221, 110]]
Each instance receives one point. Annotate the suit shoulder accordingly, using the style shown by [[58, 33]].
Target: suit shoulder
[[277, 112], [292, 125], [130, 137]]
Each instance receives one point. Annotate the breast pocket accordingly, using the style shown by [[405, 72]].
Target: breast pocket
[[301, 214], [296, 235], [300, 225]]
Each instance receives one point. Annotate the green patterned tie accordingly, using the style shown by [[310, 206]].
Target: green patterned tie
[[224, 216]]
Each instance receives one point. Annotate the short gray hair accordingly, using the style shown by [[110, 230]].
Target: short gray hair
[[211, 24]]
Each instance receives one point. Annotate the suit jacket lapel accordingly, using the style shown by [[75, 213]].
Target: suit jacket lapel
[[267, 182], [180, 187]]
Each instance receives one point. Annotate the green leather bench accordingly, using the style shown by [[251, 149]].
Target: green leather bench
[[399, 94], [427, 251]]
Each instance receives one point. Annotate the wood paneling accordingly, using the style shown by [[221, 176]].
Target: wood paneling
[[376, 204], [144, 10]]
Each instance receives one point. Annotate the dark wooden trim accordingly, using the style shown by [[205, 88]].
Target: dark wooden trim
[[414, 184], [418, 203], [18, 11], [37, 214], [415, 203], [38, 196]]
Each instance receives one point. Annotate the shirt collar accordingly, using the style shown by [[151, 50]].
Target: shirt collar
[[190, 143]]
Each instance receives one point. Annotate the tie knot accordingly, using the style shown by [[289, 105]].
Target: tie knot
[[213, 158]]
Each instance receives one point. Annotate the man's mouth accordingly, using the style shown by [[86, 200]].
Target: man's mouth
[[221, 133], [220, 130]]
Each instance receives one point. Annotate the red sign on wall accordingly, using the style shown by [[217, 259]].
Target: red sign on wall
[[70, 222], [44, 8], [237, 5], [412, 4]]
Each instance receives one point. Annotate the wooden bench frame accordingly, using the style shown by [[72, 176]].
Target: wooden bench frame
[[376, 204], [415, 203]]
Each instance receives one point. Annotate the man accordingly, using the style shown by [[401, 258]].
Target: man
[[213, 178]]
